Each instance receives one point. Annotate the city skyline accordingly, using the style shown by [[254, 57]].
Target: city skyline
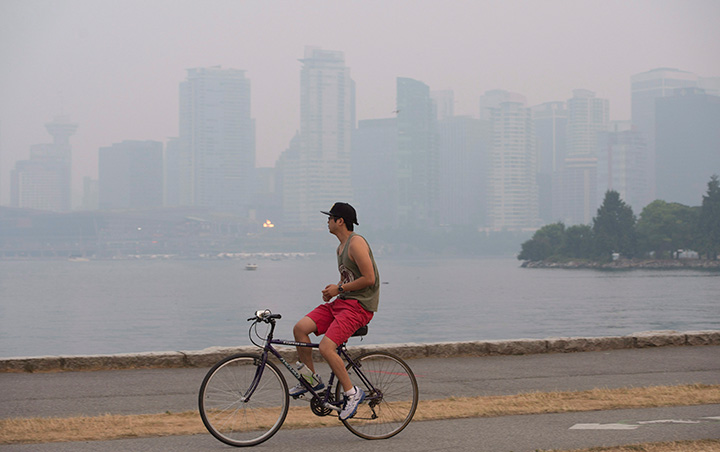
[[114, 69], [216, 150]]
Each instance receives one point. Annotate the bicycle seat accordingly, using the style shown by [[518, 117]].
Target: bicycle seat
[[361, 332]]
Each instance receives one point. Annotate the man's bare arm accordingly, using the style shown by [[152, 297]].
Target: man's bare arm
[[359, 253]]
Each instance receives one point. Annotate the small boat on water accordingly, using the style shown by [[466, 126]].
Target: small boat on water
[[76, 258], [251, 267]]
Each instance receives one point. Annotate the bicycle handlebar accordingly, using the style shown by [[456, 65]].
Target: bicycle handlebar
[[264, 315]]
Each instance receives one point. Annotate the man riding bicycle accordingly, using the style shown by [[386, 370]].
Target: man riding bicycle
[[356, 300]]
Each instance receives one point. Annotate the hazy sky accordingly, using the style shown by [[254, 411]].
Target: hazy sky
[[115, 66]]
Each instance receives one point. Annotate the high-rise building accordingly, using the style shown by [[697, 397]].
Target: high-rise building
[[130, 175], [320, 173], [711, 85], [646, 87], [464, 144], [178, 173], [513, 191], [374, 169], [444, 103], [91, 193], [44, 181], [493, 98], [575, 186], [587, 115], [574, 191], [213, 160], [267, 203], [418, 160], [550, 123], [687, 144], [287, 167], [621, 165]]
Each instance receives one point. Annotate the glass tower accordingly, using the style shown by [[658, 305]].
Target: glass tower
[[319, 174], [214, 156]]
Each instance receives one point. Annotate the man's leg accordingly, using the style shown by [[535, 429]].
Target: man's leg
[[328, 350], [353, 396], [302, 331]]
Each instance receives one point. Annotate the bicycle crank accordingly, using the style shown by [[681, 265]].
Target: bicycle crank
[[318, 405]]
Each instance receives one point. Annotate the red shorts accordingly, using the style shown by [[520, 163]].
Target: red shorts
[[339, 319]]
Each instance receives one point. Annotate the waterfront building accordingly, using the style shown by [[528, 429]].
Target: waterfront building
[[646, 88], [493, 98], [464, 144], [418, 159], [178, 166], [711, 85], [374, 170], [444, 103], [213, 160], [267, 203], [130, 175], [550, 124], [575, 185], [621, 165], [574, 191], [91, 194], [512, 189], [319, 173], [44, 181], [687, 144]]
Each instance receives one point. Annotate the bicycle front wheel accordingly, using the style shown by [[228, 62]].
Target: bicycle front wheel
[[391, 395], [233, 412]]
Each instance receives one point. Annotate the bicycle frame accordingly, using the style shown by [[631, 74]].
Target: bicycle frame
[[269, 349]]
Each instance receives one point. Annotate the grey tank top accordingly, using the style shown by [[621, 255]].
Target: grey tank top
[[349, 271]]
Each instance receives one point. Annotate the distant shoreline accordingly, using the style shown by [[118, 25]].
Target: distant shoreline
[[630, 264]]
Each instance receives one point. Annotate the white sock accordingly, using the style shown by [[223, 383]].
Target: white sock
[[351, 392]]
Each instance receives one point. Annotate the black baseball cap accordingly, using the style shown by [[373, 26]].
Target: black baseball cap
[[343, 210]]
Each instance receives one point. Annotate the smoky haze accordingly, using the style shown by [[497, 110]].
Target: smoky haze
[[455, 127], [115, 67]]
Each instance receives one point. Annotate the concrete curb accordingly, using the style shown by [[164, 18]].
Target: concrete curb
[[209, 356]]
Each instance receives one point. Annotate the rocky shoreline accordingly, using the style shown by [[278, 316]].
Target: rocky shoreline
[[209, 356], [629, 264]]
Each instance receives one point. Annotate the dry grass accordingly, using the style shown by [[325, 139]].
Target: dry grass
[[707, 445], [35, 430], [560, 402]]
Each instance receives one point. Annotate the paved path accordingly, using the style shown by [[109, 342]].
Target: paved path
[[160, 390], [501, 434]]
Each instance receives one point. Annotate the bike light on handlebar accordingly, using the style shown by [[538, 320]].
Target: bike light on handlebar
[[262, 314]]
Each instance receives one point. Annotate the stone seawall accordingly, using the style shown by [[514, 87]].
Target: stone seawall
[[209, 356], [630, 264]]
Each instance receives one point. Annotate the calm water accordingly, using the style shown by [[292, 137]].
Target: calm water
[[99, 307]]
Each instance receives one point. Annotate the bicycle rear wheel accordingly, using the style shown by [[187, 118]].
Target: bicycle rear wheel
[[231, 414], [391, 395]]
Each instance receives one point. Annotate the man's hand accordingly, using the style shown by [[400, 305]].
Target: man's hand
[[330, 291]]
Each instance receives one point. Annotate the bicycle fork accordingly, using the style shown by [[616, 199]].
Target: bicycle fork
[[259, 367]]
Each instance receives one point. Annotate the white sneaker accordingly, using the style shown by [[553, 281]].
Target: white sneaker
[[351, 403], [299, 389]]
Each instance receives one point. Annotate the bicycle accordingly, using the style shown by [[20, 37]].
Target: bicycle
[[243, 399]]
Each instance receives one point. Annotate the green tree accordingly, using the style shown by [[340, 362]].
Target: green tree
[[578, 242], [666, 227], [614, 228], [544, 244], [709, 223]]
